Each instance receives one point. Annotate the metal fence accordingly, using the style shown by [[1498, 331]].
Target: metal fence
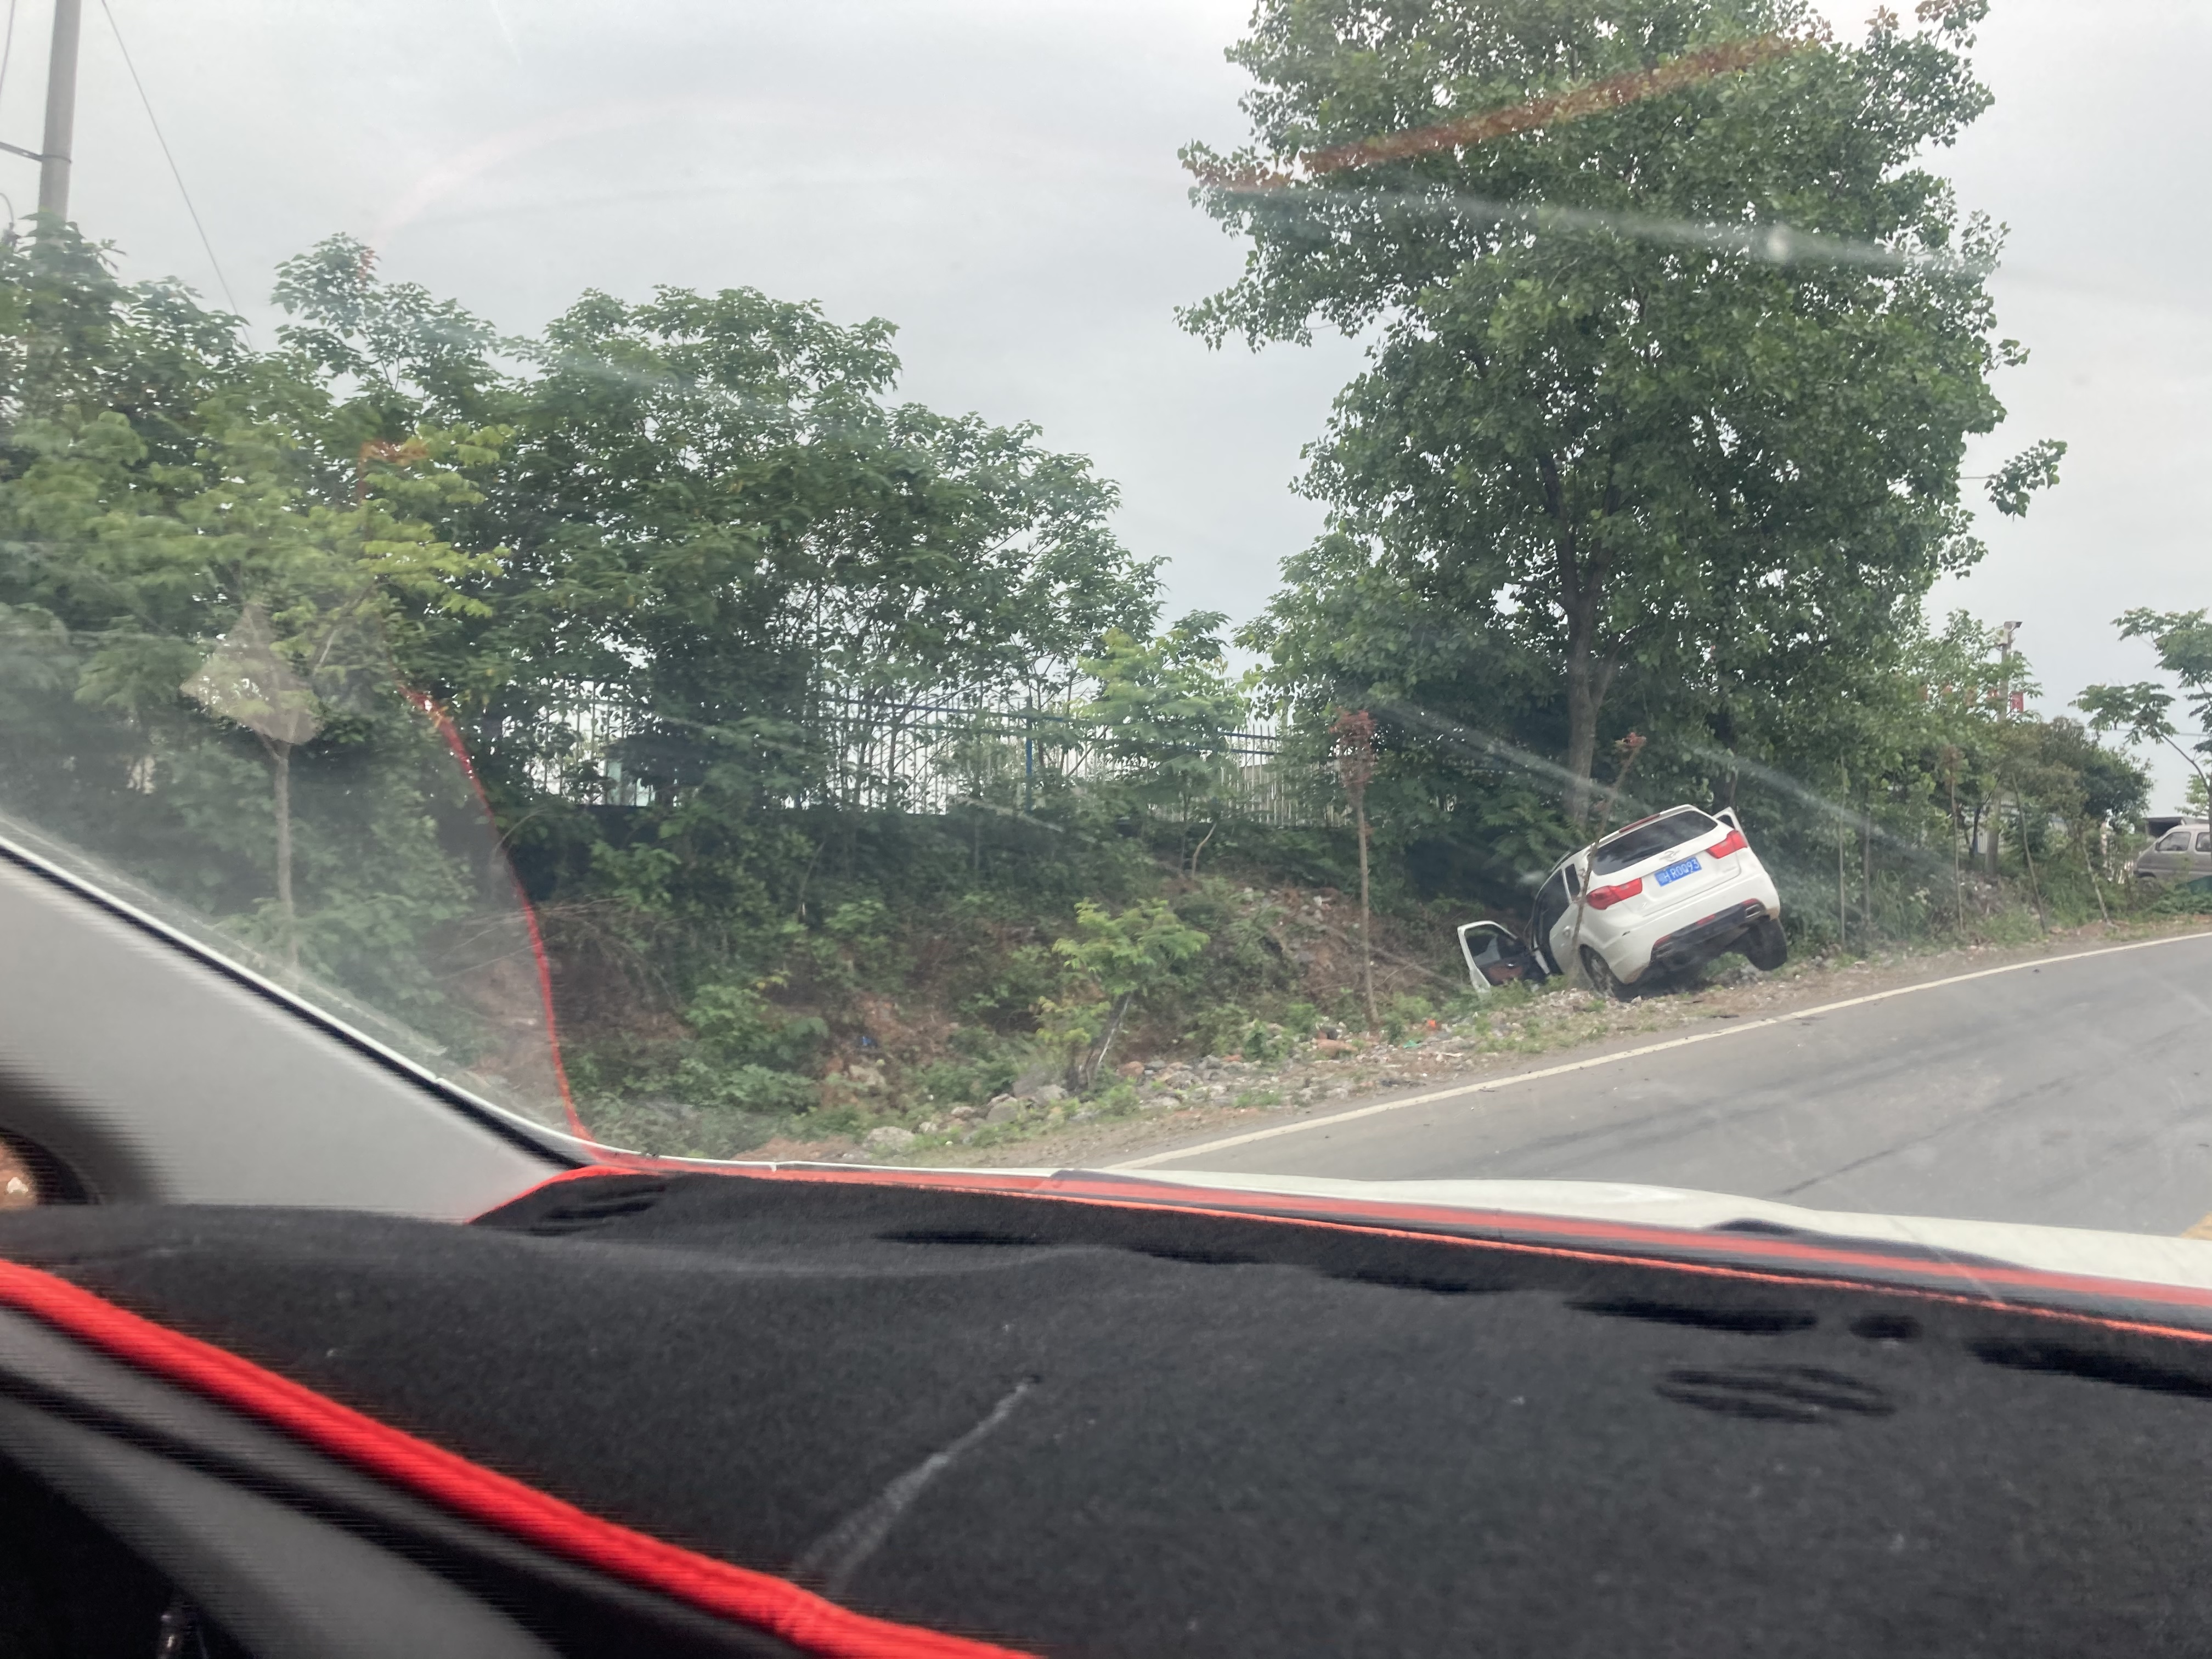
[[952, 750]]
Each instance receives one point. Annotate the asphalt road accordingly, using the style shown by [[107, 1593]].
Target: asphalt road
[[2075, 1092]]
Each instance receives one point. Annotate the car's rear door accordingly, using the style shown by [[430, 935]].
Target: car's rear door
[[1676, 870]]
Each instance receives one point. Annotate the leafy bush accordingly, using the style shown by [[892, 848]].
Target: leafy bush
[[1111, 962], [2190, 898], [982, 1064], [737, 1026]]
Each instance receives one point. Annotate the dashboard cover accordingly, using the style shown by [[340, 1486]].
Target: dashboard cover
[[881, 1415]]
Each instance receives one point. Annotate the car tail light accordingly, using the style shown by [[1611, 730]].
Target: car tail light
[[1731, 842], [1601, 897]]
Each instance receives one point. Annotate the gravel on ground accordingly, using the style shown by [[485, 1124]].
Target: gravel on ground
[[1166, 1101]]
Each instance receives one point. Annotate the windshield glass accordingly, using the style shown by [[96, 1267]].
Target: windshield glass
[[287, 801], [949, 584], [1646, 840]]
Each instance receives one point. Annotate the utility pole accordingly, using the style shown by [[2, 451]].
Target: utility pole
[[2005, 635], [61, 111]]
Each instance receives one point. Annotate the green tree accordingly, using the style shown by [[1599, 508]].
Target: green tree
[[1352, 735], [1111, 961], [1677, 344], [732, 566], [1164, 709], [2142, 712], [717, 516], [200, 603], [1944, 721]]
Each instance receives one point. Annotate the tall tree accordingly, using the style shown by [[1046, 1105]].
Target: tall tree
[[716, 517], [1164, 711], [1352, 733], [2140, 713], [1676, 346], [200, 603]]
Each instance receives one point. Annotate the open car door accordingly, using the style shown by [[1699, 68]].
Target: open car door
[[1497, 956]]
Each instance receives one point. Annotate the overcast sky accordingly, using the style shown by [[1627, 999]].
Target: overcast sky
[[998, 178]]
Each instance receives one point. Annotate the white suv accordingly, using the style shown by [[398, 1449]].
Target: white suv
[[1659, 897]]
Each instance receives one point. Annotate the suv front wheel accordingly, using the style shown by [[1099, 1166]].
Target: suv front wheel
[[1600, 975]]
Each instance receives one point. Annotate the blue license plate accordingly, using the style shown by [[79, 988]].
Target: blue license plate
[[1676, 872]]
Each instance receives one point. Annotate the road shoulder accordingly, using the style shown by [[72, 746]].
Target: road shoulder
[[1543, 1035]]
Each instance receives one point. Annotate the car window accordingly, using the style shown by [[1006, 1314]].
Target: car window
[[2204, 840], [2176, 842], [1649, 840]]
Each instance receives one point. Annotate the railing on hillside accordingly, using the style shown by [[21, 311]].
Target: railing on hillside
[[951, 751]]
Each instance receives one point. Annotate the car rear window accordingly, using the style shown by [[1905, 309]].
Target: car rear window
[[1635, 845]]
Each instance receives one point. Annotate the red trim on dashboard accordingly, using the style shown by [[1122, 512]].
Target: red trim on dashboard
[[755, 1599], [1755, 1256]]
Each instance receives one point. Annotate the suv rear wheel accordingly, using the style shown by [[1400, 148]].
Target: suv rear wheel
[[1765, 945]]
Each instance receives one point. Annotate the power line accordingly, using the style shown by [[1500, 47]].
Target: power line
[[174, 171]]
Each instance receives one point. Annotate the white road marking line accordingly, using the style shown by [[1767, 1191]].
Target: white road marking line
[[1489, 1086]]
